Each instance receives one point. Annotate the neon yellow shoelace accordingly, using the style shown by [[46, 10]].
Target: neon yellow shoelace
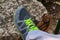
[[30, 25]]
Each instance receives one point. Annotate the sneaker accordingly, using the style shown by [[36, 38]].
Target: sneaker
[[23, 22]]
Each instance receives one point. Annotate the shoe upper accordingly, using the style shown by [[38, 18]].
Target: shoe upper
[[23, 21]]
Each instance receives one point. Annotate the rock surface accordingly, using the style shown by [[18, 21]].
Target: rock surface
[[8, 31], [2, 1]]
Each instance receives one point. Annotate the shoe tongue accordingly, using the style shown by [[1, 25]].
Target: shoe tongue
[[26, 17]]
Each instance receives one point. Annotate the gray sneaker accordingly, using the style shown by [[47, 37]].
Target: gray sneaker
[[23, 22]]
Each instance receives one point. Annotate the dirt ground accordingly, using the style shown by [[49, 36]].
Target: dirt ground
[[53, 8], [8, 31]]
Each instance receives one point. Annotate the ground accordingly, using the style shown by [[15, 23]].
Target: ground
[[8, 31]]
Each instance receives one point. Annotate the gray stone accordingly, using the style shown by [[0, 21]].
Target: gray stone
[[2, 0]]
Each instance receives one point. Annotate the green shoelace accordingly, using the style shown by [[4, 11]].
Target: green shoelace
[[30, 25]]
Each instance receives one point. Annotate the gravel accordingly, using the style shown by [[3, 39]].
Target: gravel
[[8, 31]]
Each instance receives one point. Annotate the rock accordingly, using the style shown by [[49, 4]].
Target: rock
[[1, 31], [2, 1], [9, 7], [1, 20], [6, 34]]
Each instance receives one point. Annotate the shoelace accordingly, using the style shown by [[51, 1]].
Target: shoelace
[[30, 25]]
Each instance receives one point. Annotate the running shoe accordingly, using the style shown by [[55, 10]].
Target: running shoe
[[23, 22]]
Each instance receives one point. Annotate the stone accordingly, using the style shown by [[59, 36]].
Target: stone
[[2, 1], [1, 31]]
